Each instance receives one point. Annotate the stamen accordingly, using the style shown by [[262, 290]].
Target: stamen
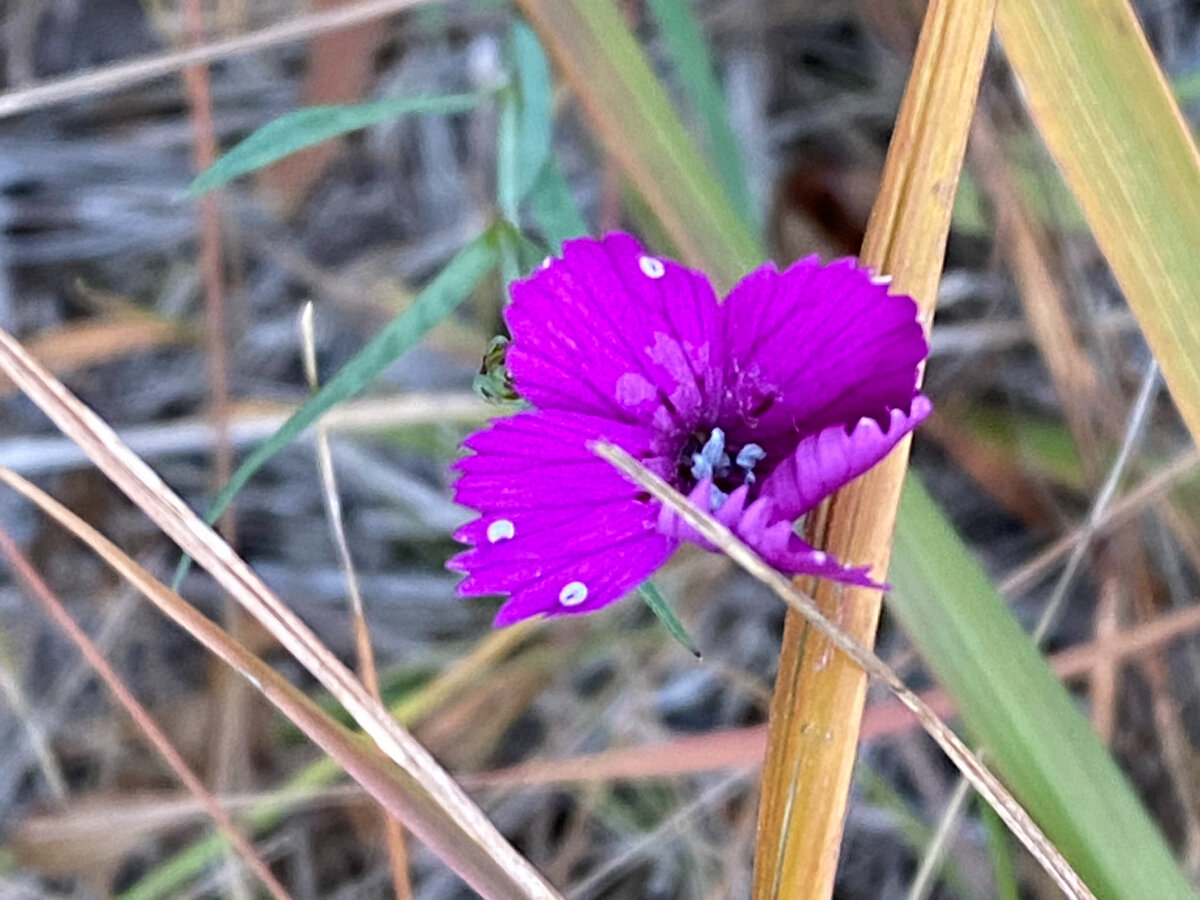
[[748, 457], [711, 461]]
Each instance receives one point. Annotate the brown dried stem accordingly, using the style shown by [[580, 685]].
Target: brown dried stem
[[819, 696], [140, 715]]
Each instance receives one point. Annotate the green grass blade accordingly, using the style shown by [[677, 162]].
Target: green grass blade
[[1000, 853], [689, 53], [306, 127], [1110, 121], [535, 120], [554, 209], [507, 197], [650, 593], [600, 59], [1036, 737], [440, 298]]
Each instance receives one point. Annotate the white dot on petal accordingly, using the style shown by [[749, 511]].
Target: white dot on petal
[[500, 530], [651, 267], [820, 557], [881, 280], [546, 262], [573, 594]]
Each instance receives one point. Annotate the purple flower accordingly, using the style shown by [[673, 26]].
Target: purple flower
[[757, 408]]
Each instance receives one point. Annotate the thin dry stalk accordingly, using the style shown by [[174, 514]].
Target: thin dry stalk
[[819, 696], [438, 810], [140, 715], [367, 670], [1025, 244], [123, 75], [1120, 512], [14, 693], [232, 750], [403, 794], [981, 778], [339, 70]]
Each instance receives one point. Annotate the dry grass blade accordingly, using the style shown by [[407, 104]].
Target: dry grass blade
[[13, 692], [367, 671], [981, 778], [252, 423], [75, 346], [141, 716], [123, 75], [232, 752], [1120, 512], [396, 789], [439, 812], [818, 701]]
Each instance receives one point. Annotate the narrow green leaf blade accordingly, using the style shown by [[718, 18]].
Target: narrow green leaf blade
[[659, 606], [1036, 737], [689, 53], [599, 57], [438, 300], [535, 122], [554, 209], [306, 127]]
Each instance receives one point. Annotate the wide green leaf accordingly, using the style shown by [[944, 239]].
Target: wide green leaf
[[592, 45], [1036, 738]]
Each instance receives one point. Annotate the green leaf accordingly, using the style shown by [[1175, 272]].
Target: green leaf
[[306, 127], [689, 53], [535, 120], [438, 300], [1036, 738], [506, 157], [638, 125], [554, 209], [1000, 853], [659, 606]]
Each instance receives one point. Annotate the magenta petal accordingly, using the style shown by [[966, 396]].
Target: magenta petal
[[613, 331], [769, 534], [559, 529], [814, 346], [826, 461]]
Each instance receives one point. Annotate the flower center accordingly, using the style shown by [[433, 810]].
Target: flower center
[[708, 457]]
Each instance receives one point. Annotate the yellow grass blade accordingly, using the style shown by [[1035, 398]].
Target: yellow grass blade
[[1111, 122], [817, 706]]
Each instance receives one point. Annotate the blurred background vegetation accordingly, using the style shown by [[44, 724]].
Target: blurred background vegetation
[[618, 763]]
